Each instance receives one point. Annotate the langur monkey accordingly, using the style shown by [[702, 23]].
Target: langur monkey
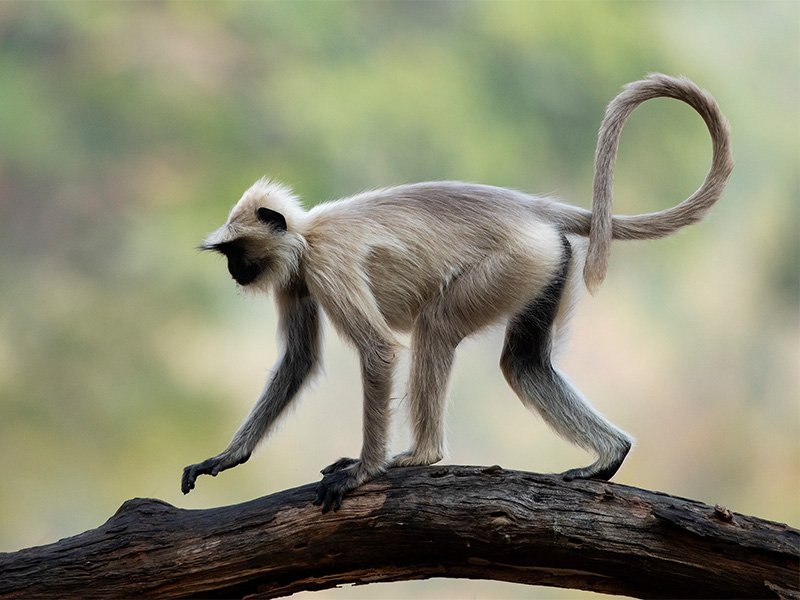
[[442, 260]]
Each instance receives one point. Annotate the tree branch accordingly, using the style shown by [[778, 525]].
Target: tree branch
[[470, 522]]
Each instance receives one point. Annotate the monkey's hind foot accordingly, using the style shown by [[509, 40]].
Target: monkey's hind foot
[[590, 472], [601, 469], [413, 458]]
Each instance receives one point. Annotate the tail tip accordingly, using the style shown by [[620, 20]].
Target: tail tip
[[593, 280], [594, 269]]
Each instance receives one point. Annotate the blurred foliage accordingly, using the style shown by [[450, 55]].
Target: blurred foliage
[[129, 129]]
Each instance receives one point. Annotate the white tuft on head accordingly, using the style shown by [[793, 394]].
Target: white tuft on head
[[274, 195]]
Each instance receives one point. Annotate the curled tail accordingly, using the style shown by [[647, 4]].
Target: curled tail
[[603, 225]]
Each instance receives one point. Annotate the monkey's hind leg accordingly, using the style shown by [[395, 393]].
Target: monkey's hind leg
[[474, 299], [526, 365]]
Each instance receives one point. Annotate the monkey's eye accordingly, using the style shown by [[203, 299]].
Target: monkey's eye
[[271, 217]]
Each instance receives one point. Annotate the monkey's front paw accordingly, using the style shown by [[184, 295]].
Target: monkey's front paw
[[333, 487], [210, 466], [190, 474], [339, 465], [336, 483]]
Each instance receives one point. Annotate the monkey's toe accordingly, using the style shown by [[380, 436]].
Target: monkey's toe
[[604, 468], [591, 472]]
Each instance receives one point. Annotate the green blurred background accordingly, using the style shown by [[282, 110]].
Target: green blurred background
[[127, 130]]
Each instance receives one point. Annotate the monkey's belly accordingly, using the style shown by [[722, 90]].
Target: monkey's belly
[[400, 286], [398, 307]]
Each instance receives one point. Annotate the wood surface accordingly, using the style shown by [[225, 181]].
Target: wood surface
[[418, 523]]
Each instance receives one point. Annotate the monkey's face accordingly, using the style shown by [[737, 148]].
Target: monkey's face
[[248, 243], [256, 241], [244, 270]]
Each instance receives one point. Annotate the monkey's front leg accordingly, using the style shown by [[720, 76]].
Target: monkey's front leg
[[300, 327], [278, 393], [346, 474], [292, 370]]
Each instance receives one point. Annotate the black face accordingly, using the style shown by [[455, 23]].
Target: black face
[[243, 271]]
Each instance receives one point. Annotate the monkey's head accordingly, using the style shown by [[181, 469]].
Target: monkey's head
[[262, 238]]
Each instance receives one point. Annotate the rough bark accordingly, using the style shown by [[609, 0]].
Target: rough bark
[[468, 522]]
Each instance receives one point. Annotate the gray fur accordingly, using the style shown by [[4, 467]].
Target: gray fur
[[604, 226], [442, 260]]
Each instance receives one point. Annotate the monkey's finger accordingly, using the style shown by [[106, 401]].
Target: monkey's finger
[[339, 465], [326, 506], [333, 499], [320, 493], [328, 495]]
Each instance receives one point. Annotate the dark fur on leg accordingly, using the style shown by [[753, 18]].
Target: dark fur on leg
[[526, 364], [301, 329]]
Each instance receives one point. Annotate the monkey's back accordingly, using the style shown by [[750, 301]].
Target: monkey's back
[[407, 244]]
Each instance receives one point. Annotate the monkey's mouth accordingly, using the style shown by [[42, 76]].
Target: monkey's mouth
[[243, 271]]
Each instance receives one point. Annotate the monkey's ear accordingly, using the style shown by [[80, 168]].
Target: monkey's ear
[[271, 217]]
